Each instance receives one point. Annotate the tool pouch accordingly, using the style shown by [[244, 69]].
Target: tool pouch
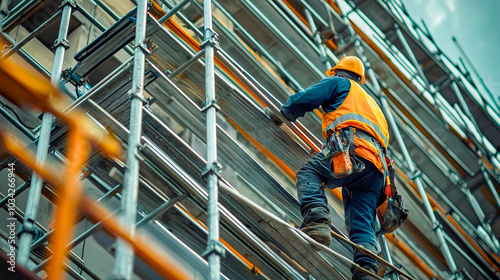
[[341, 164], [340, 149], [391, 213]]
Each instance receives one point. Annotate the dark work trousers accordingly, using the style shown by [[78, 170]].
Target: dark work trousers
[[360, 192]]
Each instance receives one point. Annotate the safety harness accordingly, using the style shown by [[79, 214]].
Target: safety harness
[[340, 147]]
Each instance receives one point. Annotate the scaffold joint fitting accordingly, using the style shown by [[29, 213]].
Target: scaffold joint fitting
[[214, 247], [215, 169], [463, 187], [390, 271], [415, 175], [27, 227], [436, 226], [213, 103], [63, 42], [72, 3], [4, 12], [136, 93], [210, 38], [457, 275], [146, 46], [138, 150]]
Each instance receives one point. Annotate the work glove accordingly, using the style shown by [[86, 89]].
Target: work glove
[[273, 116]]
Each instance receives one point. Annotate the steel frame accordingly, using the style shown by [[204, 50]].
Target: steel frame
[[26, 236], [131, 179]]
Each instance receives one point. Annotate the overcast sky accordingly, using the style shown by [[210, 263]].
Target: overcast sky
[[475, 24]]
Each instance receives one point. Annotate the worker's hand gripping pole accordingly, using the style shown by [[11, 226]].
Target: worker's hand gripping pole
[[273, 116], [299, 138], [307, 141]]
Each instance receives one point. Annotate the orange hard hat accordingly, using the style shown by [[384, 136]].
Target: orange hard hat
[[349, 63]]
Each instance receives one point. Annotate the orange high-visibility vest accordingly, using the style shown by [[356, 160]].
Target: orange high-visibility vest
[[360, 111]]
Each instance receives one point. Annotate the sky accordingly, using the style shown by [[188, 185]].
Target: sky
[[475, 24]]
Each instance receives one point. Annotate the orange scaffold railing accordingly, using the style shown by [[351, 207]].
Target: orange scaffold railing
[[25, 89]]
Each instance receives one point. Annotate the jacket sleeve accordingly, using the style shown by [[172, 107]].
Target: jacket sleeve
[[309, 99]]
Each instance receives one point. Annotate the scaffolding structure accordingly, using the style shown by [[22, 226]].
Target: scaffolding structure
[[205, 186]]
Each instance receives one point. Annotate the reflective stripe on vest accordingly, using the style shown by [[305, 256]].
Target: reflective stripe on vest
[[357, 117]]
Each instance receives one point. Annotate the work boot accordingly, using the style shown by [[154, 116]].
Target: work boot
[[319, 231], [360, 275]]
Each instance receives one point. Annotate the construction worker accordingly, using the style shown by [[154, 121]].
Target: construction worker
[[349, 113]]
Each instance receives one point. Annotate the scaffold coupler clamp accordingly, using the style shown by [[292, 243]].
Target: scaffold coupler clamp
[[462, 185], [136, 93], [147, 46], [212, 103], [415, 175], [214, 247], [137, 152], [4, 8], [457, 274], [390, 271], [28, 227], [210, 38], [215, 168], [72, 3], [436, 226], [63, 42]]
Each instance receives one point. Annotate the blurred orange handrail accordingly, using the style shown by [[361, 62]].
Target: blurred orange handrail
[[25, 89]]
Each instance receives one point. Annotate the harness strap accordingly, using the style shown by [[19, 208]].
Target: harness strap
[[381, 154], [352, 147], [368, 137]]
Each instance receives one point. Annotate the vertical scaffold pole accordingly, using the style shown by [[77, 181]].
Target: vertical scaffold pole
[[413, 59], [464, 54], [385, 249], [124, 255], [418, 181], [214, 248], [28, 227], [381, 236], [317, 38]]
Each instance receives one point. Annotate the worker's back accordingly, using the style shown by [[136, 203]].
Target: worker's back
[[359, 110]]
